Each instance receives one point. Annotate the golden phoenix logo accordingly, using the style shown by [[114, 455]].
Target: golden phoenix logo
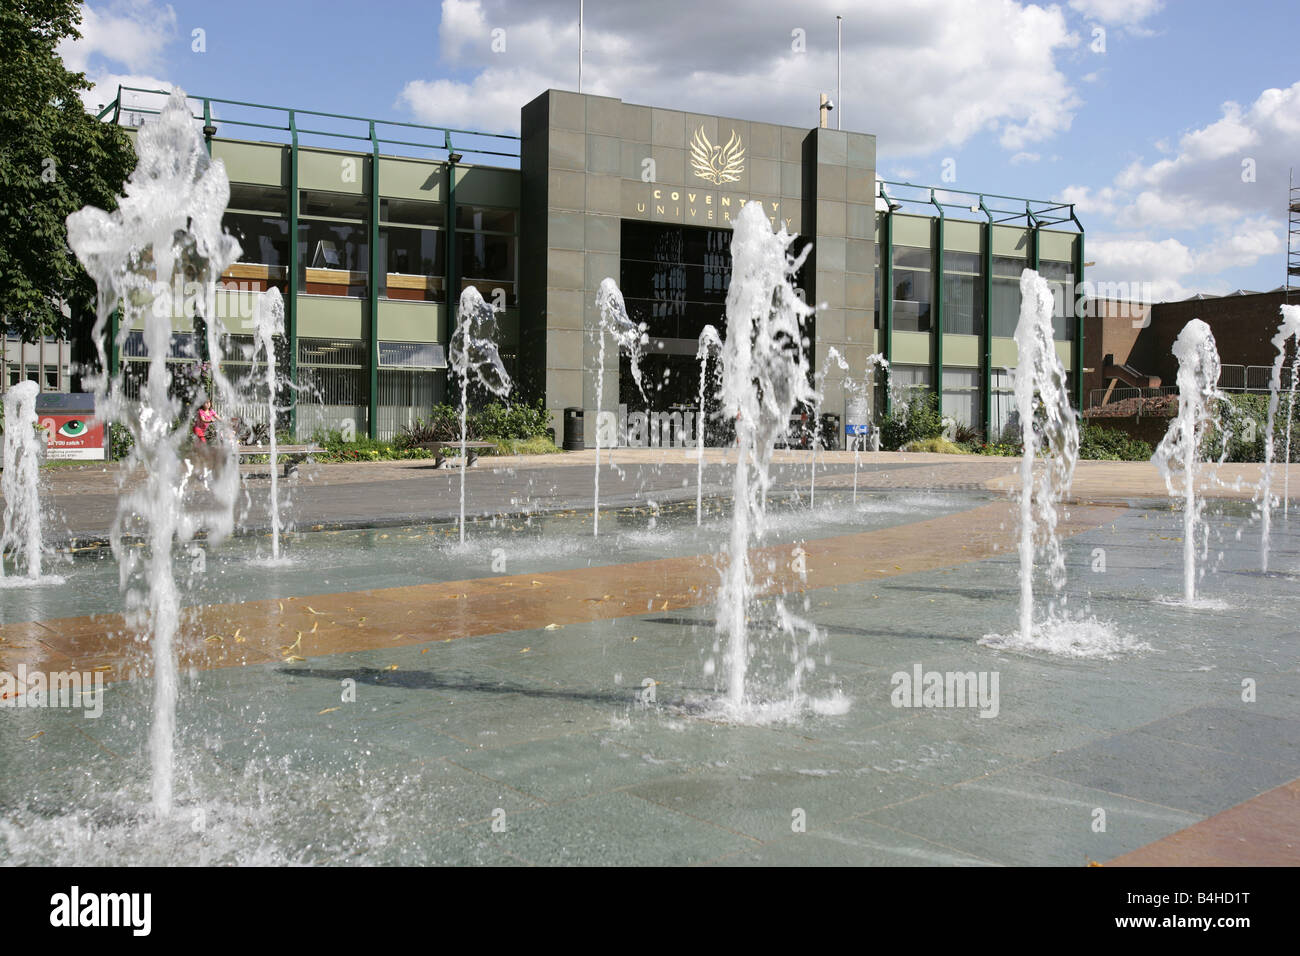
[[717, 164]]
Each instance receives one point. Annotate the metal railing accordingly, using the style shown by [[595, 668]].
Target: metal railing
[[1232, 378], [1098, 397], [252, 116]]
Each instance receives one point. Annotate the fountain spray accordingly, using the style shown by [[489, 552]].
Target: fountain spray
[[23, 447], [709, 342], [1180, 449], [765, 377], [158, 257], [832, 355], [630, 338], [474, 352], [1048, 426], [268, 322], [1287, 331]]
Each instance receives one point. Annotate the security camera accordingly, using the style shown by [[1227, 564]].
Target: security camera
[[830, 103]]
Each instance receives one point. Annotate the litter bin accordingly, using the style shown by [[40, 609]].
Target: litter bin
[[573, 437], [830, 431]]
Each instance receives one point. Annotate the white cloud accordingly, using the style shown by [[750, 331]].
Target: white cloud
[[931, 76], [1220, 189], [1019, 158], [132, 34], [1119, 12]]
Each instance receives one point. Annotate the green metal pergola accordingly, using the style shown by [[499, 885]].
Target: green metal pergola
[[1035, 215], [454, 144]]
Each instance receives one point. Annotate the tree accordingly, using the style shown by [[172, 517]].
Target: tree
[[54, 158]]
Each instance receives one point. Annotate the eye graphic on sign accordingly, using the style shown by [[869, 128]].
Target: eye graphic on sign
[[72, 428]]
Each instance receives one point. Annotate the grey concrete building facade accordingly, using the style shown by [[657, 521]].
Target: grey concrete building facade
[[590, 165]]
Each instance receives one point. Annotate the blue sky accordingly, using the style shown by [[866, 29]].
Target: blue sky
[[1016, 98]]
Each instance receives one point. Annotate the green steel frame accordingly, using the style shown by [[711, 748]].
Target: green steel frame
[[452, 296], [886, 347], [454, 142], [372, 286], [1037, 214], [291, 313], [936, 305]]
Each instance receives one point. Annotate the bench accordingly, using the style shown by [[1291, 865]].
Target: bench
[[439, 450], [292, 454]]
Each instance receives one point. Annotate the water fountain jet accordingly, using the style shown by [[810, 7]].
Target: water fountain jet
[[710, 342], [23, 451], [1180, 449], [474, 353], [629, 338], [268, 322], [164, 237], [765, 377], [1287, 331]]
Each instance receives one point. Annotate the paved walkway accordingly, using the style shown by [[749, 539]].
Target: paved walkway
[[377, 494]]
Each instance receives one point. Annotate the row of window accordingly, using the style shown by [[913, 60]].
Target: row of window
[[334, 243], [963, 399], [963, 292], [326, 353], [46, 375]]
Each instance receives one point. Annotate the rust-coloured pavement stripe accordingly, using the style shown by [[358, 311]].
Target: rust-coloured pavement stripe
[[1263, 831], [231, 635]]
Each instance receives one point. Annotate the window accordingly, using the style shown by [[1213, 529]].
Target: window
[[414, 355], [51, 378], [1006, 294], [961, 396], [485, 219], [1004, 422], [963, 294], [1059, 276], [675, 278], [485, 251], [414, 239], [257, 216], [333, 242], [876, 284], [912, 284], [907, 380]]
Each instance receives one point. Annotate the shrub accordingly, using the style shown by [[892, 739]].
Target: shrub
[[1111, 444], [443, 424], [918, 420], [514, 421], [1243, 421], [938, 445]]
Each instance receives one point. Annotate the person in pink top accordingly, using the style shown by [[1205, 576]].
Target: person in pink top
[[204, 421]]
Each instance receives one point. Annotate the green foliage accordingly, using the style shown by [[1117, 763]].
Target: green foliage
[[54, 159], [918, 420], [965, 434], [541, 445], [1243, 421], [120, 441], [494, 422], [443, 424], [938, 445], [1111, 444], [514, 421]]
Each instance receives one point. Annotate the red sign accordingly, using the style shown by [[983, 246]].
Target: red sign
[[73, 436]]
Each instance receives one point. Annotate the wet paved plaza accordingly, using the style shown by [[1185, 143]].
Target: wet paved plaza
[[536, 696]]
